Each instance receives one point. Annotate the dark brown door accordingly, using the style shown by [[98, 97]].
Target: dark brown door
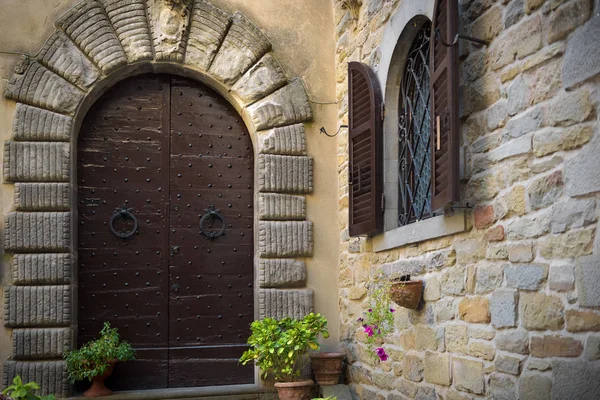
[[166, 153]]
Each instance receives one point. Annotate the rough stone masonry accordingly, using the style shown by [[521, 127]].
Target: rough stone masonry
[[511, 306]]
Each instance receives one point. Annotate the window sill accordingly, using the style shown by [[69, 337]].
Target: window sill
[[431, 228]]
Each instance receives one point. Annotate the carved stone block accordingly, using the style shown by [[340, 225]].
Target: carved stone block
[[32, 344], [37, 231], [41, 269], [50, 375], [285, 239], [89, 27], [285, 174], [281, 207], [243, 46], [30, 306], [288, 140], [208, 27], [277, 303], [288, 105], [281, 273], [40, 87], [37, 124], [262, 79], [36, 162], [42, 196], [169, 22], [128, 17], [62, 56]]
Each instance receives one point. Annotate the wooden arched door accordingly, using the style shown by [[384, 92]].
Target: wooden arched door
[[166, 153]]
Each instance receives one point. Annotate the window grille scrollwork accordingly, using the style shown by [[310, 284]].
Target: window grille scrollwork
[[414, 133]]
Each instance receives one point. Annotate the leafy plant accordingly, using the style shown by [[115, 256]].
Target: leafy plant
[[94, 357], [378, 321], [279, 347], [20, 391]]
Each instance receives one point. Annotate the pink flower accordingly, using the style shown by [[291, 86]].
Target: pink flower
[[370, 310], [368, 330], [392, 310], [381, 354], [359, 320]]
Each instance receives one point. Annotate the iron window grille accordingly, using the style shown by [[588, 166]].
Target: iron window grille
[[414, 133]]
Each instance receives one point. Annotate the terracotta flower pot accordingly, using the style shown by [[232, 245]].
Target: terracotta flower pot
[[407, 294], [327, 367], [98, 389], [297, 390]]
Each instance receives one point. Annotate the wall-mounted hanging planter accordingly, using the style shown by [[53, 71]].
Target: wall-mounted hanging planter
[[406, 293]]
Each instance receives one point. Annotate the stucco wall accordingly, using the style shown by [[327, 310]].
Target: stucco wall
[[511, 306], [303, 41]]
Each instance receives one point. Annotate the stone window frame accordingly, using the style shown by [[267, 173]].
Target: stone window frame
[[396, 41]]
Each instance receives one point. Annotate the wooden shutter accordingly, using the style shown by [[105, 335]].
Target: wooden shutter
[[444, 95], [365, 177]]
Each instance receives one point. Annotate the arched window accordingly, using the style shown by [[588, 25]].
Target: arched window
[[414, 133], [421, 156]]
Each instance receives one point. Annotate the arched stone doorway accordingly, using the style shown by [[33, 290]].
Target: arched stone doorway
[[156, 155], [96, 45]]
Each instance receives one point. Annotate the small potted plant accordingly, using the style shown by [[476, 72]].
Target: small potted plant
[[95, 360], [279, 349], [23, 391], [406, 293]]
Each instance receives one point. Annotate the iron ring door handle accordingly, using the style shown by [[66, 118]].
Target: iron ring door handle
[[212, 214], [126, 213]]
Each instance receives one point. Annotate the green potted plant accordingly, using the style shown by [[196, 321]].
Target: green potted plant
[[279, 349], [23, 391], [95, 360]]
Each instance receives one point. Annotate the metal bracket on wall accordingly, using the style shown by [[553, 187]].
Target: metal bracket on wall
[[322, 130], [14, 53], [449, 211], [454, 42], [465, 207]]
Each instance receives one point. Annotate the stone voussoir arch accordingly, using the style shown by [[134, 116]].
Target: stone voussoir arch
[[102, 41]]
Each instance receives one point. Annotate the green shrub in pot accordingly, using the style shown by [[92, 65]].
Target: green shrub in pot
[[95, 357], [279, 347]]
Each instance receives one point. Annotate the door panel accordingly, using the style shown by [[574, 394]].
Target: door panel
[[125, 281], [209, 322], [147, 371], [206, 365], [166, 149]]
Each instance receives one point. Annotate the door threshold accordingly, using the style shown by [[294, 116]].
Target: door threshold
[[228, 392]]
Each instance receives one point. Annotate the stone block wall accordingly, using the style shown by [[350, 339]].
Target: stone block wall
[[511, 307]]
